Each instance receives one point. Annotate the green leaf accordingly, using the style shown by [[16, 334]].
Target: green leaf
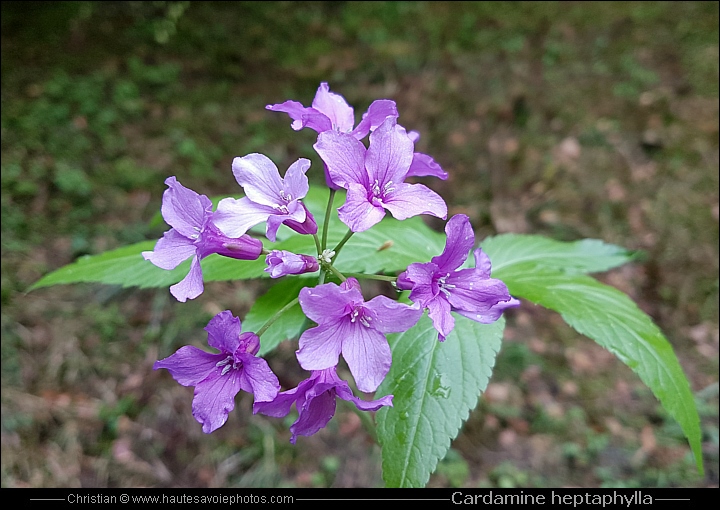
[[390, 246], [585, 256], [615, 322], [435, 386], [289, 323], [126, 266]]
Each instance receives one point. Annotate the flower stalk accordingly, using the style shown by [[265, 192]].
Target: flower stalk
[[328, 209], [380, 277], [339, 246], [275, 317]]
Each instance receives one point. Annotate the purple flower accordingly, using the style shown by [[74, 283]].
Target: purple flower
[[349, 325], [281, 263], [194, 234], [441, 287], [375, 177], [330, 112], [314, 399], [219, 377], [268, 198]]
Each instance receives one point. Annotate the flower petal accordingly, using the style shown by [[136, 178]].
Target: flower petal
[[308, 226], [460, 239], [314, 414], [439, 312], [419, 278], [191, 286], [190, 365], [344, 392], [316, 121], [257, 378], [490, 316], [423, 165], [389, 155], [170, 250], [280, 405], [235, 217], [409, 200], [260, 179], [296, 215], [391, 316], [328, 180], [482, 263], [358, 213], [183, 209], [377, 113], [215, 398], [320, 346], [335, 108], [471, 292], [294, 109], [328, 303], [302, 116], [224, 331], [275, 220], [344, 157], [468, 288], [421, 273], [273, 224], [296, 182], [367, 353]]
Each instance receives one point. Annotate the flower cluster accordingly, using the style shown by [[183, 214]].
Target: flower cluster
[[347, 325]]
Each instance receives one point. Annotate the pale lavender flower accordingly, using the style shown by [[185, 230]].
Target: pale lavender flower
[[282, 262], [268, 197], [194, 234], [375, 177], [314, 399], [217, 378], [441, 287], [350, 326]]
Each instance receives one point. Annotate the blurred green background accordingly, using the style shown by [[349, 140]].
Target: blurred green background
[[568, 119]]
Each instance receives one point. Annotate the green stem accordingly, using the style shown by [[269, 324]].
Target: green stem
[[372, 276], [321, 280], [336, 272], [317, 244], [342, 243], [327, 221], [275, 317]]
